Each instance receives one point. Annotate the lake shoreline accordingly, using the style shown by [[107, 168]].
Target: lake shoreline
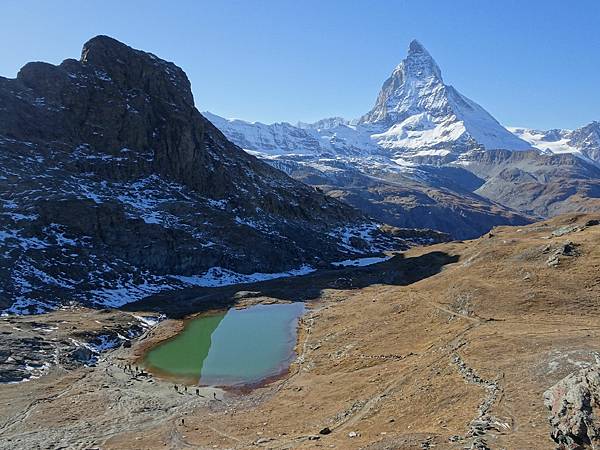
[[170, 329]]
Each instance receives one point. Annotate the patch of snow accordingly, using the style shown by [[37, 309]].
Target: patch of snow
[[25, 306], [361, 262], [125, 293], [150, 321], [104, 342], [219, 204], [363, 232], [17, 216], [218, 276]]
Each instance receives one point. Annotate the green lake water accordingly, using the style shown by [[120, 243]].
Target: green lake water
[[240, 346]]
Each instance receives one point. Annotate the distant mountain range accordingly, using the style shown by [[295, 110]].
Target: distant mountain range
[[583, 142], [427, 156]]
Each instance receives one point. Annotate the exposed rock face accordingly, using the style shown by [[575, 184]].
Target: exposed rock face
[[574, 404], [111, 183], [438, 199], [541, 185], [587, 139]]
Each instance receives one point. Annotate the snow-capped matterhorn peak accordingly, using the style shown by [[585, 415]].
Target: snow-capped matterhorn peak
[[415, 115], [416, 110], [419, 62]]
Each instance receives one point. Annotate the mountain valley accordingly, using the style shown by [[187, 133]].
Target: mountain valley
[[452, 346]]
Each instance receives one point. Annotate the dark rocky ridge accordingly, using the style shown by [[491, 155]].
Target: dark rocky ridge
[[111, 182]]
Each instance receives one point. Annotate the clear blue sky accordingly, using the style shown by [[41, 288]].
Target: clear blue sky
[[530, 63]]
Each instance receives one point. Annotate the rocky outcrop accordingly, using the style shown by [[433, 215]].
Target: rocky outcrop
[[574, 407], [32, 347], [568, 249], [113, 186]]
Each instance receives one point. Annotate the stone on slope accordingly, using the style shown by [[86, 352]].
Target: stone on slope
[[574, 408]]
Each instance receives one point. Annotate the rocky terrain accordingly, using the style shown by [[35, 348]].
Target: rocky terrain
[[33, 345], [407, 199], [113, 187], [483, 344], [427, 156], [541, 185]]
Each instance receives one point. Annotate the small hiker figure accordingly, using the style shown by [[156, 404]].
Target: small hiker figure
[[176, 389], [185, 389], [197, 391], [215, 395], [182, 421]]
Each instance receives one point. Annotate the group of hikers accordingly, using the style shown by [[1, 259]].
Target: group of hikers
[[185, 389], [135, 371]]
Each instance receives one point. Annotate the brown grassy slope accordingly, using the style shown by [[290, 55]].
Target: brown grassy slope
[[458, 357], [406, 365]]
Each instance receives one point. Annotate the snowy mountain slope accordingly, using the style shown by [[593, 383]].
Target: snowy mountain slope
[[415, 115], [274, 139], [583, 142], [328, 136]]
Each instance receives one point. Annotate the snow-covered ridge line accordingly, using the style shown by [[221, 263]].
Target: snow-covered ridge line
[[583, 142]]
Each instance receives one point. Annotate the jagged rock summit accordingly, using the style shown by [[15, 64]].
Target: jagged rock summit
[[417, 70], [113, 186]]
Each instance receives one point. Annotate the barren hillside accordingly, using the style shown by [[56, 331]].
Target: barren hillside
[[452, 347]]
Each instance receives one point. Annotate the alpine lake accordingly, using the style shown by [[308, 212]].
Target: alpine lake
[[237, 347]]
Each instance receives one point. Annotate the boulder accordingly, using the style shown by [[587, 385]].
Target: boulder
[[574, 404]]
